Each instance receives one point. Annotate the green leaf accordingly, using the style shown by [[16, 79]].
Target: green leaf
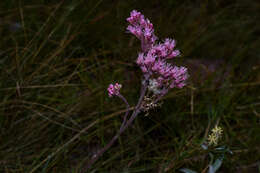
[[186, 170], [211, 158], [211, 169], [204, 146], [221, 148], [216, 165]]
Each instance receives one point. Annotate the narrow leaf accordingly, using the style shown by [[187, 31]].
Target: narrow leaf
[[186, 170], [216, 165], [204, 146]]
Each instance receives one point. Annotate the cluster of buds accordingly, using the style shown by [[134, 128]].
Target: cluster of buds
[[114, 90], [152, 59], [216, 134]]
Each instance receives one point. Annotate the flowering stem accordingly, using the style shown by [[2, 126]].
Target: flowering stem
[[138, 106], [127, 112], [124, 125]]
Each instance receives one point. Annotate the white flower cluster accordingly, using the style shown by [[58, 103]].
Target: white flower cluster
[[154, 86]]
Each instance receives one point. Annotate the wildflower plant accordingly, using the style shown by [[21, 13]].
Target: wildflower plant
[[215, 152], [159, 75], [214, 137]]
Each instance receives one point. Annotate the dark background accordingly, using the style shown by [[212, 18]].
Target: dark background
[[58, 57]]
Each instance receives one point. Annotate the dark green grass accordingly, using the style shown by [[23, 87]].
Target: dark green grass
[[57, 59]]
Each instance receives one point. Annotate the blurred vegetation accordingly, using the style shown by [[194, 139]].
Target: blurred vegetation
[[58, 57]]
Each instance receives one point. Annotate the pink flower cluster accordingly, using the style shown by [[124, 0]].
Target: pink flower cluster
[[142, 28], [152, 59], [114, 89]]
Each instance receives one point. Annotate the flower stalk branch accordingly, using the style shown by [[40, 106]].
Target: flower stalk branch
[[126, 123]]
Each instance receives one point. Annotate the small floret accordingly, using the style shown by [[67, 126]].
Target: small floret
[[114, 89]]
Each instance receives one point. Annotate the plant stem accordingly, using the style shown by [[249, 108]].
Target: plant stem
[[127, 112], [124, 125]]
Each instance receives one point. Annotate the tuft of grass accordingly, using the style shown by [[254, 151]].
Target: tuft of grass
[[57, 59]]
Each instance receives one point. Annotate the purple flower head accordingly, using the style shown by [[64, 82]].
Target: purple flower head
[[153, 58], [142, 28], [166, 50], [179, 76], [114, 89]]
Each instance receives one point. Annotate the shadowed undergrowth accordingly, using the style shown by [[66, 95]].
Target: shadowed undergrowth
[[57, 59]]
